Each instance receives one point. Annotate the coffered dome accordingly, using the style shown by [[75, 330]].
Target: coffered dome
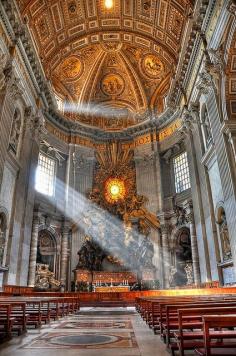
[[110, 67]]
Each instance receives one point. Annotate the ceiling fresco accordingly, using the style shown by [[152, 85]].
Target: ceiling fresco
[[114, 65]]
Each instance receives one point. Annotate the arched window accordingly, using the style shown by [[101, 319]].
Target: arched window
[[15, 132]]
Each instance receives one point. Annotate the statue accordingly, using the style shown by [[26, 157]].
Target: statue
[[184, 252], [45, 279], [225, 242], [15, 131], [172, 276], [90, 256], [180, 215], [189, 273], [146, 253]]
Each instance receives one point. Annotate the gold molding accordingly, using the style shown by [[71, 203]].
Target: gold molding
[[138, 141]]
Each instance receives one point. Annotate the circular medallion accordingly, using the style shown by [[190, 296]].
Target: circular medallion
[[112, 85], [71, 68], [83, 340], [152, 66], [114, 190]]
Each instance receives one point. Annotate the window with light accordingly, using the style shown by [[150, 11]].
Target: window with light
[[181, 172], [45, 175]]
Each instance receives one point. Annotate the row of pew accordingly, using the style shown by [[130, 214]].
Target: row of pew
[[199, 325], [17, 314]]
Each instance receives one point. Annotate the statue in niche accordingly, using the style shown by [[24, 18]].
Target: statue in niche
[[184, 252], [2, 238], [180, 215], [206, 127], [15, 132], [224, 236], [172, 276]]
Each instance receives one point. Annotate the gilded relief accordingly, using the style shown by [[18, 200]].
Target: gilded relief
[[153, 66], [112, 84], [71, 68]]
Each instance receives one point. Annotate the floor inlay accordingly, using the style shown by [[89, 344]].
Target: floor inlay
[[82, 340], [95, 324]]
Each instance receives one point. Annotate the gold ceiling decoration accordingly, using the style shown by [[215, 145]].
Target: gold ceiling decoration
[[71, 68], [122, 55], [114, 190], [115, 187], [153, 66], [112, 84]]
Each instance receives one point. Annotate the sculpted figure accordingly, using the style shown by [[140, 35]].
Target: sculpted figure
[[146, 253], [224, 234]]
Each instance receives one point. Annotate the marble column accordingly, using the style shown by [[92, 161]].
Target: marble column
[[194, 246], [197, 189], [33, 250], [64, 253], [165, 253]]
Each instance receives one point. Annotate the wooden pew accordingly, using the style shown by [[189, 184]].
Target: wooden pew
[[190, 335], [222, 347], [169, 315], [6, 321]]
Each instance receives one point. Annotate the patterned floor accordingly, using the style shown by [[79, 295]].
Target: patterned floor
[[92, 332], [83, 331]]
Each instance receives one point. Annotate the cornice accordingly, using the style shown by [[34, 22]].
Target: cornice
[[189, 58], [20, 37]]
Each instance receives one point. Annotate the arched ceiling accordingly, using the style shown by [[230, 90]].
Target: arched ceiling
[[114, 65]]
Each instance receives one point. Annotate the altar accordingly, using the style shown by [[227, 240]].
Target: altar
[[99, 277], [111, 289]]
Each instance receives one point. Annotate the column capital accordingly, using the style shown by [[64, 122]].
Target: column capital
[[35, 123], [205, 82], [232, 7], [66, 225]]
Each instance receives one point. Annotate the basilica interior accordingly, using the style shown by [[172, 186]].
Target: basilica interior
[[117, 177]]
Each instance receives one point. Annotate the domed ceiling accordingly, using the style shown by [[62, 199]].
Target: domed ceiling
[[111, 67]]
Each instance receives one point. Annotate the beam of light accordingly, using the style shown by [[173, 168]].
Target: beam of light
[[96, 110], [87, 216], [79, 210]]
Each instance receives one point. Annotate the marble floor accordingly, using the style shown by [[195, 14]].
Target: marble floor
[[91, 332]]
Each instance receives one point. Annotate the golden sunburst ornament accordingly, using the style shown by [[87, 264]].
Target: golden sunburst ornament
[[114, 190], [109, 4]]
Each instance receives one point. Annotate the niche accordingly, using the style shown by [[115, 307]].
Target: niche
[[46, 250]]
